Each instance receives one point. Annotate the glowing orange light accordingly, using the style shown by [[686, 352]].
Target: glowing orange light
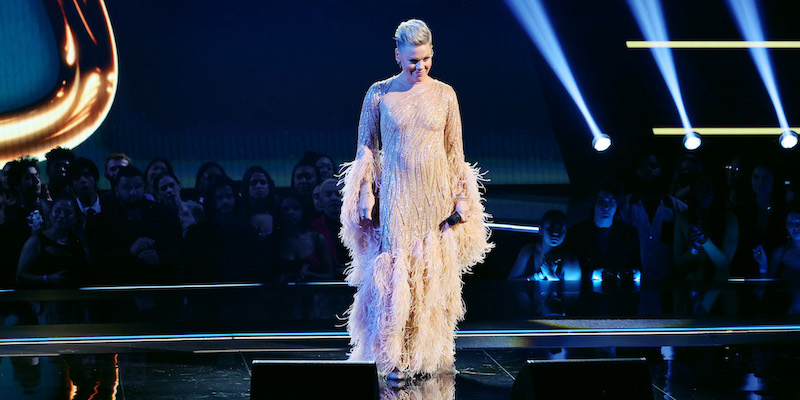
[[69, 47], [83, 19], [88, 79], [116, 377]]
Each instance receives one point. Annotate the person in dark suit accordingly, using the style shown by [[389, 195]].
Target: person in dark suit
[[608, 252], [134, 240]]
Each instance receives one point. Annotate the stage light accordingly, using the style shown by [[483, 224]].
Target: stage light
[[713, 44], [749, 24], [533, 18], [691, 140], [788, 139], [650, 18], [601, 142], [727, 131]]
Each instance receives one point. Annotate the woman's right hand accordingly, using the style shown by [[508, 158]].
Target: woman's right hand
[[366, 204]]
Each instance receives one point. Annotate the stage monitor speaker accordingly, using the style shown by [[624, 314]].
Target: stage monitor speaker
[[312, 379], [606, 378]]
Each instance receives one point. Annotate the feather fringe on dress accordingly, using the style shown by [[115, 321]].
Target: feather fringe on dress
[[408, 300]]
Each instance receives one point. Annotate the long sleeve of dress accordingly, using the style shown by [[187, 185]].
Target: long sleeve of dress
[[361, 238]]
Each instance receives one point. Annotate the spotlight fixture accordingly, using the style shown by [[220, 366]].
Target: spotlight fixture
[[788, 139], [691, 140], [602, 142]]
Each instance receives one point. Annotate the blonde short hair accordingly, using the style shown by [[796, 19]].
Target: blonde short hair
[[413, 33]]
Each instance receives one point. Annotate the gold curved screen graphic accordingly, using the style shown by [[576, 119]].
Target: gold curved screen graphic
[[84, 91]]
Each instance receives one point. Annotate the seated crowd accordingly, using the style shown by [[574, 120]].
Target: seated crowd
[[149, 229], [651, 249], [657, 249]]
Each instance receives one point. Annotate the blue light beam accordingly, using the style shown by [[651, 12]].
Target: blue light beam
[[533, 18], [650, 18], [749, 23]]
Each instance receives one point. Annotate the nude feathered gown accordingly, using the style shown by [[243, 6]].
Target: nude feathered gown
[[406, 269]]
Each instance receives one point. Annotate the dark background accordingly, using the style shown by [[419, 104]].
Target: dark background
[[260, 82]]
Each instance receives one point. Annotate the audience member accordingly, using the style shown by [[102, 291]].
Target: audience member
[[29, 210], [58, 160], [322, 163], [608, 253], [705, 244], [737, 183], [4, 181], [652, 211], [760, 220], [168, 192], [55, 257], [258, 195], [135, 240], [157, 166], [687, 169], [783, 263], [315, 198], [545, 259], [82, 176], [325, 167], [18, 220], [302, 253], [224, 248], [112, 165], [207, 171], [304, 179], [606, 248], [328, 224]]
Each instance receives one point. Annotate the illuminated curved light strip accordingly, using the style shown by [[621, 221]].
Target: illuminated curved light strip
[[749, 280], [254, 350], [730, 131], [513, 228], [713, 44], [86, 88], [312, 283], [459, 333], [161, 287], [317, 283], [629, 332]]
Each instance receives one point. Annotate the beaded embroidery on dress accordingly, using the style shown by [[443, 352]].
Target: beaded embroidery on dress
[[406, 269]]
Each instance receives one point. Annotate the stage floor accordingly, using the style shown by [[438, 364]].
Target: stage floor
[[199, 342], [729, 372]]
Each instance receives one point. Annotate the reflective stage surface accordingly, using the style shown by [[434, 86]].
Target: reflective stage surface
[[199, 341], [731, 372]]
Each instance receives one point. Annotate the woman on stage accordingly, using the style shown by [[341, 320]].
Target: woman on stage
[[412, 217]]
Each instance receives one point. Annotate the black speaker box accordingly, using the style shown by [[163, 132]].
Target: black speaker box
[[606, 378], [316, 380]]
